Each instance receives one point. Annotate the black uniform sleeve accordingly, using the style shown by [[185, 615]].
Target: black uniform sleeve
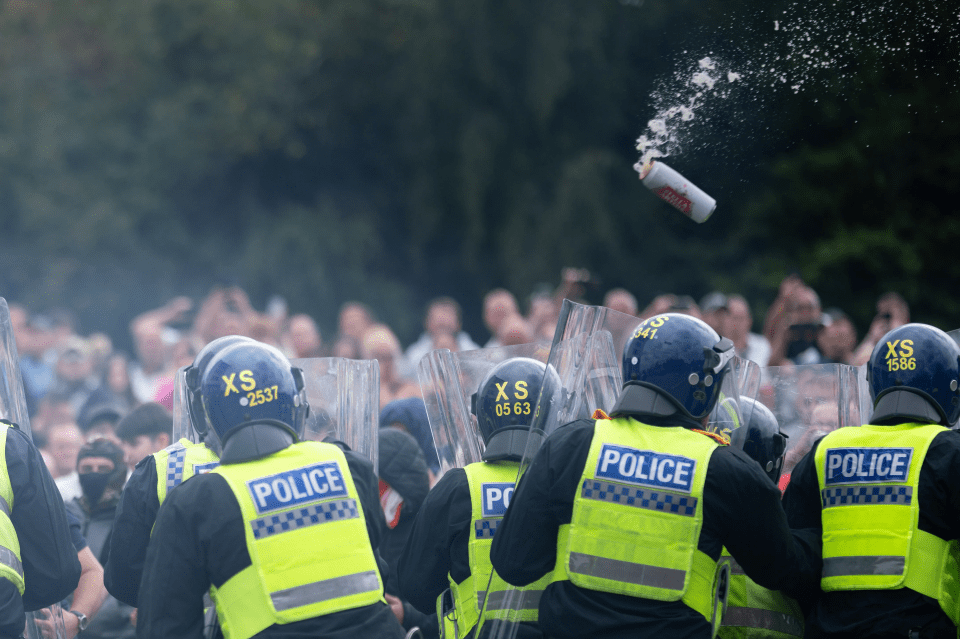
[[75, 534], [743, 506], [439, 533], [187, 539], [525, 546], [132, 525], [51, 569]]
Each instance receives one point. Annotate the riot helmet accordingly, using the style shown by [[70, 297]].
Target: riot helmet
[[251, 382], [194, 372], [913, 374], [677, 364], [506, 401], [761, 439]]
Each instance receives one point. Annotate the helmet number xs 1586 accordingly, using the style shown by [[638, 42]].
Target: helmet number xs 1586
[[902, 359]]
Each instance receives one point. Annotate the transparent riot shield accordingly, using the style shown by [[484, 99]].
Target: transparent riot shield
[[448, 381], [46, 623], [812, 400], [13, 400], [182, 426], [586, 354], [344, 398]]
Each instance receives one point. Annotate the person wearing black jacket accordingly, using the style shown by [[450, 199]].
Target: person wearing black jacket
[[48, 560], [900, 472], [624, 567], [404, 483], [275, 571]]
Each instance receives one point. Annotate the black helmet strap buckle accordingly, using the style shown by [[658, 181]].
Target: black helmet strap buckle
[[716, 359]]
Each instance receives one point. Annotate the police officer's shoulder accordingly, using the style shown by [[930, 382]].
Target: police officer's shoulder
[[574, 430]]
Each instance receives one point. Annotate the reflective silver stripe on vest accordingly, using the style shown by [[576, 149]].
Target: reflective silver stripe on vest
[[175, 462], [864, 495], [507, 599], [336, 510], [766, 619], [640, 497], [486, 528], [5, 507], [863, 565], [320, 591], [9, 558], [626, 572], [735, 568]]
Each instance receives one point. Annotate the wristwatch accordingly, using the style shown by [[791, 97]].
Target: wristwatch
[[82, 620]]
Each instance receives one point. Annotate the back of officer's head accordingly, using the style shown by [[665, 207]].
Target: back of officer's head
[[914, 376], [195, 371], [760, 437], [674, 364], [252, 383], [507, 396]]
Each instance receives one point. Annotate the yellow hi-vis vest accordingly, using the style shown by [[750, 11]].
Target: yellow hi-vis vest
[[754, 612], [10, 567], [307, 537], [179, 462], [491, 486], [869, 484], [637, 518]]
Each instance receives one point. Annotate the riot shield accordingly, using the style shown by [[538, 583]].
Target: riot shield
[[13, 400], [586, 354], [182, 426], [344, 398], [812, 400], [46, 623], [448, 381]]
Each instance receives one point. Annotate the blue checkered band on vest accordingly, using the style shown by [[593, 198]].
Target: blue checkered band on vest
[[861, 495], [321, 513], [640, 497], [486, 528], [175, 467]]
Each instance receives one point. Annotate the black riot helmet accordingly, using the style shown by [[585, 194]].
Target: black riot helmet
[[761, 439], [506, 401]]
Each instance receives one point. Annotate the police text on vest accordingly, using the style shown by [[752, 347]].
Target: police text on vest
[[297, 487], [867, 465], [496, 498], [646, 467]]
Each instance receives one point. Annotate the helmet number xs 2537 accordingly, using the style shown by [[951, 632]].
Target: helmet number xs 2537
[[901, 359], [260, 396]]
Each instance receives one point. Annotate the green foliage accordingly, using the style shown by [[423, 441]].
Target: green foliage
[[390, 151]]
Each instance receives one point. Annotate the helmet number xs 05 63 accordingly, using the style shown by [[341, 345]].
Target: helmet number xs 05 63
[[517, 408], [900, 359]]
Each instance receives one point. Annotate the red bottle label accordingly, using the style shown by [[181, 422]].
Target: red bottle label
[[674, 199]]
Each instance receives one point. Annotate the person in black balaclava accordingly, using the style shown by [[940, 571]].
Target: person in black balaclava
[[102, 473]]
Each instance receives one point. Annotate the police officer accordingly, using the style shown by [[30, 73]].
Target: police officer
[[281, 533], [38, 563], [631, 512], [147, 487], [752, 610], [884, 497], [446, 562]]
